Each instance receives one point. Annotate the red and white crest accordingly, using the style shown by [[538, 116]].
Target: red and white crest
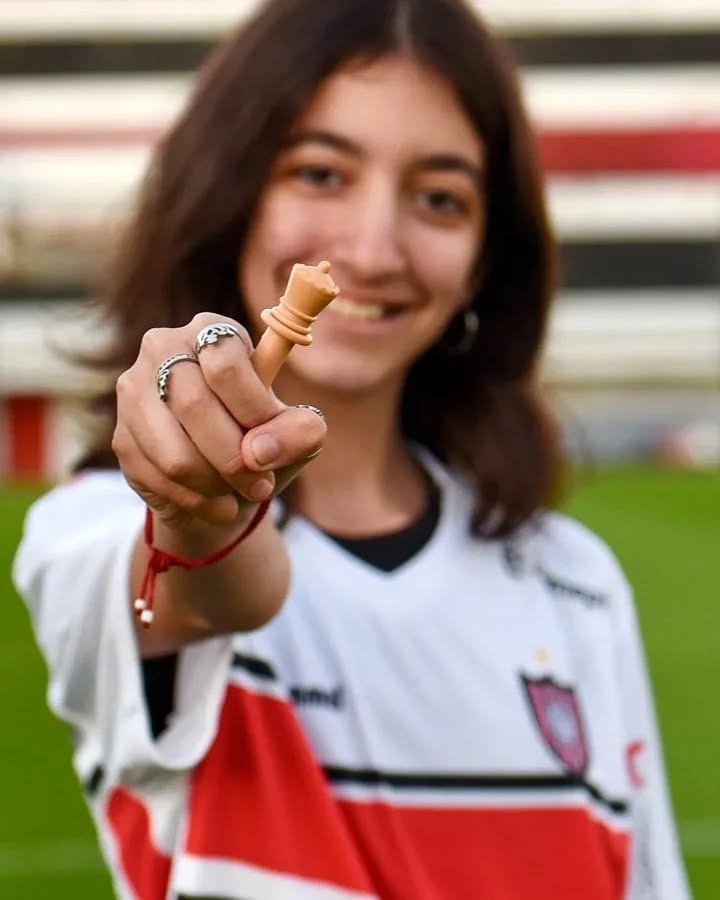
[[557, 714]]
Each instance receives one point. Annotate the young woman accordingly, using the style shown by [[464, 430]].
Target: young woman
[[411, 681]]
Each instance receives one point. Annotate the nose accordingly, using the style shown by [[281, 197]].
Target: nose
[[369, 239]]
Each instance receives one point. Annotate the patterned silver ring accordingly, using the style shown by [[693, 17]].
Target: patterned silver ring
[[318, 412], [163, 373], [211, 334]]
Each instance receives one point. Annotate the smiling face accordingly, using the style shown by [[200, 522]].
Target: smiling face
[[383, 177]]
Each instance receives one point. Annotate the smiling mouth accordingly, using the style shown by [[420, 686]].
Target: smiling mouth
[[368, 312]]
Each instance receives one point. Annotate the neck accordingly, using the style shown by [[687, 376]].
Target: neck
[[365, 481]]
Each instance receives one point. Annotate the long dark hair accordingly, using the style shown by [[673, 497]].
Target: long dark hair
[[479, 411]]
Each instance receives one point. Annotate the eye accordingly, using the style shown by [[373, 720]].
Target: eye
[[319, 176], [441, 201]]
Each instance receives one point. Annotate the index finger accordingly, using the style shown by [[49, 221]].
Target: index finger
[[223, 350]]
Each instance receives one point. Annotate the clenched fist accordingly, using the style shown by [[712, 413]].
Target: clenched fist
[[220, 440]]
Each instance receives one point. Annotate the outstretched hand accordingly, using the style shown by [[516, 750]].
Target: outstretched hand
[[220, 442]]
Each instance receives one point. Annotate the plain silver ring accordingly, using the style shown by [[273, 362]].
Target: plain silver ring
[[162, 376], [318, 412], [211, 334], [313, 455]]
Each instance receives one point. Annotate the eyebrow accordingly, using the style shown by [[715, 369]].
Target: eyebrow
[[334, 141], [436, 162], [454, 162]]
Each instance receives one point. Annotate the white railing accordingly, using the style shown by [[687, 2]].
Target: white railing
[[633, 340], [147, 19]]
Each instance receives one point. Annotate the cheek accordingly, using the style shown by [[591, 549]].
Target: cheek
[[278, 238], [283, 233], [445, 265]]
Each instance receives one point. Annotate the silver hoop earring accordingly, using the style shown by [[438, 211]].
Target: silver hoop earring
[[468, 325]]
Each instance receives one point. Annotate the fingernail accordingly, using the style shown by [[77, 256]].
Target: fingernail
[[265, 449], [260, 489]]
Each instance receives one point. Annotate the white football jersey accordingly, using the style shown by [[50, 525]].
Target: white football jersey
[[476, 723]]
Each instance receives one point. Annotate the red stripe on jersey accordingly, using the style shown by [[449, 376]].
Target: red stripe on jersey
[[260, 797], [145, 867], [623, 150], [497, 854]]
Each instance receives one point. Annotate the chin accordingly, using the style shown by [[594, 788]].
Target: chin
[[341, 372]]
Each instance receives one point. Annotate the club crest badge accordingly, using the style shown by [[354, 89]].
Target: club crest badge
[[557, 714]]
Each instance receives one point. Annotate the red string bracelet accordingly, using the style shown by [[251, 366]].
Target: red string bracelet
[[160, 561]]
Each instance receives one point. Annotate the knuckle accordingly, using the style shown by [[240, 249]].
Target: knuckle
[[178, 468], [190, 501], [200, 319], [311, 427], [188, 403], [203, 319], [119, 443], [245, 338], [227, 379], [220, 369], [124, 386], [233, 467], [253, 414], [154, 340]]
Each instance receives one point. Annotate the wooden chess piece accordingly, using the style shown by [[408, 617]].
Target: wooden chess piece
[[308, 292]]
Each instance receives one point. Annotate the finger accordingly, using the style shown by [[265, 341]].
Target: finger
[[174, 503], [207, 402], [215, 434], [190, 437], [291, 438], [159, 437], [230, 375]]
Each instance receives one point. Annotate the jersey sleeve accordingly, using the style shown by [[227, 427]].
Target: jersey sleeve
[[656, 866], [72, 569]]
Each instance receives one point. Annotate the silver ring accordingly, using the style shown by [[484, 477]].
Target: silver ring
[[163, 372], [211, 334], [313, 455], [318, 412]]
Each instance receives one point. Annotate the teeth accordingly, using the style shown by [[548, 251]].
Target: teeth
[[368, 311]]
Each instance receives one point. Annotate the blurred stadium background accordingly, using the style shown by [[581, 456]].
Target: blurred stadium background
[[625, 95]]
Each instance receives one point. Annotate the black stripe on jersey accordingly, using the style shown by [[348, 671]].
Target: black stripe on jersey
[[206, 897], [92, 783], [159, 674], [255, 666], [105, 56], [371, 778]]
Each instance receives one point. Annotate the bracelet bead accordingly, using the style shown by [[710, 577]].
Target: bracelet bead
[[160, 561]]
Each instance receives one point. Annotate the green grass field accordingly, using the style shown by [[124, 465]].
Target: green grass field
[[665, 527]]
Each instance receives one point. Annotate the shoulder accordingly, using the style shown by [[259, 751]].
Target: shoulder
[[551, 539], [574, 545], [87, 501], [104, 486], [571, 559]]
